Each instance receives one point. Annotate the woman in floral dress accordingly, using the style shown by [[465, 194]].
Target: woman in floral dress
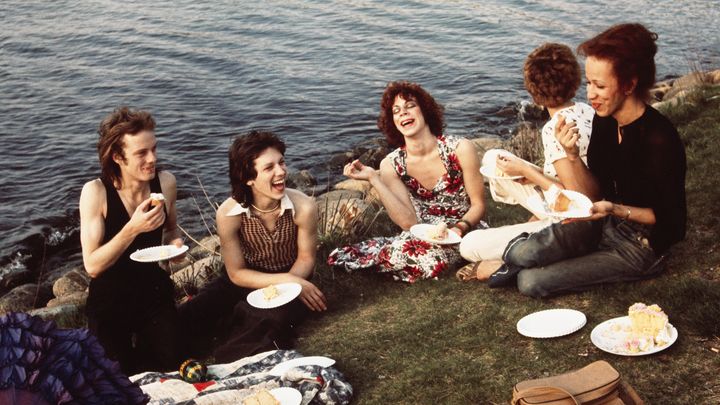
[[430, 178]]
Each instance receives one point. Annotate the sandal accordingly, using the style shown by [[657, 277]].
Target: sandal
[[468, 272]]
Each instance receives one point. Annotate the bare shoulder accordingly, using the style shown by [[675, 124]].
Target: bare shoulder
[[94, 190], [167, 179], [225, 207], [386, 166], [465, 146], [301, 201], [467, 152]]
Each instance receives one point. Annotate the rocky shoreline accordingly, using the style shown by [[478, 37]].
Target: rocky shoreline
[[345, 208]]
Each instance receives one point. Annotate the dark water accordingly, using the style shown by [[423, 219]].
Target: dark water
[[312, 71]]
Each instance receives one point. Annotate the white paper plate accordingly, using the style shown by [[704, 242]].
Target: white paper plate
[[158, 253], [286, 293], [489, 172], [280, 369], [610, 337], [582, 203], [287, 395], [421, 231], [551, 323]]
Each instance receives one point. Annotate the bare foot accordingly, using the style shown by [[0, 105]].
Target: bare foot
[[487, 268]]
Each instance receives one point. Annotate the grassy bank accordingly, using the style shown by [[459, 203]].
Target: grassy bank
[[446, 342]]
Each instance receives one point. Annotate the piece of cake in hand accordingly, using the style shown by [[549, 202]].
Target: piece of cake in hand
[[156, 199], [438, 232], [270, 292], [262, 397], [648, 327]]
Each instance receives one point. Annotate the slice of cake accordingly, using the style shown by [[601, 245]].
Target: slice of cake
[[648, 327], [156, 199], [438, 232], [270, 292], [562, 203], [262, 397]]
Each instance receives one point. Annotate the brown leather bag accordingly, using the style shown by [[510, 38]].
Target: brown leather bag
[[597, 383]]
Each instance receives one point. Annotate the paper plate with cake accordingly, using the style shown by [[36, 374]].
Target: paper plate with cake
[[644, 331], [438, 233], [274, 295], [551, 323], [158, 253], [565, 204]]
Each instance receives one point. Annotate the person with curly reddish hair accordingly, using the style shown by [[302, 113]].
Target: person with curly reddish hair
[[431, 178], [552, 76], [637, 162]]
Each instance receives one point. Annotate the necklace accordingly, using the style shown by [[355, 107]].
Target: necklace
[[265, 211]]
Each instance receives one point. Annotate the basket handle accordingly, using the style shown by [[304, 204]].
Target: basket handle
[[541, 390]]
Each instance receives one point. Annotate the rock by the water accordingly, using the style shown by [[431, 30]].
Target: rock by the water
[[75, 280], [66, 316], [20, 299], [77, 298], [354, 185], [302, 180]]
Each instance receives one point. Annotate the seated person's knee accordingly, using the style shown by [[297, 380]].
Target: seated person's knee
[[529, 284]]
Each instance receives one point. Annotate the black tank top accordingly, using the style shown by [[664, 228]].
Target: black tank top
[[128, 285]]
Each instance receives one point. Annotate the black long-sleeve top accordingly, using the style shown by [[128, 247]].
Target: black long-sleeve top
[[647, 170]]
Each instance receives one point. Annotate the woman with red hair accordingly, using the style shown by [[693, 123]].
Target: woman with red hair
[[430, 178], [638, 162]]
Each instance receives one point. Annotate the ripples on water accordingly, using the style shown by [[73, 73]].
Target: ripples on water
[[312, 71]]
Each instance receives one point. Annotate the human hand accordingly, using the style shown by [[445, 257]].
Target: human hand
[[311, 296], [601, 209], [358, 171], [178, 242], [456, 230], [566, 132], [143, 220], [511, 165]]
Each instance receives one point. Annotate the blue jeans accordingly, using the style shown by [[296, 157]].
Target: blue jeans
[[575, 256]]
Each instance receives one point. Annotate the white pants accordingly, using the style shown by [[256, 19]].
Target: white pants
[[489, 244]]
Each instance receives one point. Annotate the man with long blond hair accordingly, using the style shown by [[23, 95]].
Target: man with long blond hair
[[131, 306]]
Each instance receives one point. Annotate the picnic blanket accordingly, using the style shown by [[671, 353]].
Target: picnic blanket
[[230, 383]]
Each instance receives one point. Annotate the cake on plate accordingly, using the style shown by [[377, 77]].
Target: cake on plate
[[270, 292], [649, 327], [438, 232]]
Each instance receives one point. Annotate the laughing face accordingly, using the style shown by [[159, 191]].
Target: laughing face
[[269, 184], [140, 156], [407, 116], [603, 88]]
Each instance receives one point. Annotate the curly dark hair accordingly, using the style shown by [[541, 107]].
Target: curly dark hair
[[243, 152], [552, 75], [431, 110], [123, 121], [630, 48]]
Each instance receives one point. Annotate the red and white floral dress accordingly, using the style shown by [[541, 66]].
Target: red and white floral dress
[[405, 257]]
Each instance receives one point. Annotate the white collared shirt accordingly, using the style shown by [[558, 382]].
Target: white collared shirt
[[285, 204]]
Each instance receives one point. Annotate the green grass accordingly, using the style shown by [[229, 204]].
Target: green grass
[[446, 342]]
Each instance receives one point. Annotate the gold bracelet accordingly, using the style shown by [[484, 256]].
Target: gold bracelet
[[628, 215]]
